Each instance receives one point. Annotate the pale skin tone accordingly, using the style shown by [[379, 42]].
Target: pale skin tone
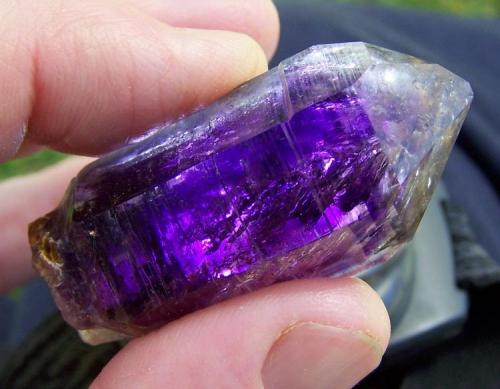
[[83, 76]]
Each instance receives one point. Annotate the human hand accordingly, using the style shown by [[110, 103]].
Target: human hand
[[83, 76]]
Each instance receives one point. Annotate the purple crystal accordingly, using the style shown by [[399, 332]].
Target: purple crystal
[[322, 166]]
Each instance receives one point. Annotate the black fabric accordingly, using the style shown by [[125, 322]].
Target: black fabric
[[471, 189], [471, 360], [470, 48]]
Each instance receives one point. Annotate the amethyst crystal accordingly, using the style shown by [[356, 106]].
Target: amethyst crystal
[[322, 166]]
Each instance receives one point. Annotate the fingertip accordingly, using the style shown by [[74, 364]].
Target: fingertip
[[271, 35], [378, 324], [257, 18], [348, 303], [226, 58]]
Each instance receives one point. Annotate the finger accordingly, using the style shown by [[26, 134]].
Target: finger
[[319, 333], [257, 18], [22, 200], [97, 73]]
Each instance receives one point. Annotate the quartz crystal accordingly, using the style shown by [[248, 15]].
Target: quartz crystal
[[323, 166]]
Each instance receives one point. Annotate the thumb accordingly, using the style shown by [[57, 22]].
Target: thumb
[[319, 333]]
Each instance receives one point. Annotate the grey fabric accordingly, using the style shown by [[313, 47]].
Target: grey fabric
[[474, 266]]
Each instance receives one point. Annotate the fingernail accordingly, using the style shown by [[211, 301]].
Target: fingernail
[[319, 356], [11, 142]]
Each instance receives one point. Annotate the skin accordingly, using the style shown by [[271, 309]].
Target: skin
[[83, 76]]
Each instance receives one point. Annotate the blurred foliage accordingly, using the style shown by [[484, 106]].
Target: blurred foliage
[[489, 8], [29, 164]]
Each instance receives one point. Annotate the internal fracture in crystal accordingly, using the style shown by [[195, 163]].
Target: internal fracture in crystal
[[322, 166]]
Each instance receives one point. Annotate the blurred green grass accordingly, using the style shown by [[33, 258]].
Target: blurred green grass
[[474, 8], [29, 164], [478, 8]]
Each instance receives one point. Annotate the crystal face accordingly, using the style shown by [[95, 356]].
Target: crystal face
[[322, 166]]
